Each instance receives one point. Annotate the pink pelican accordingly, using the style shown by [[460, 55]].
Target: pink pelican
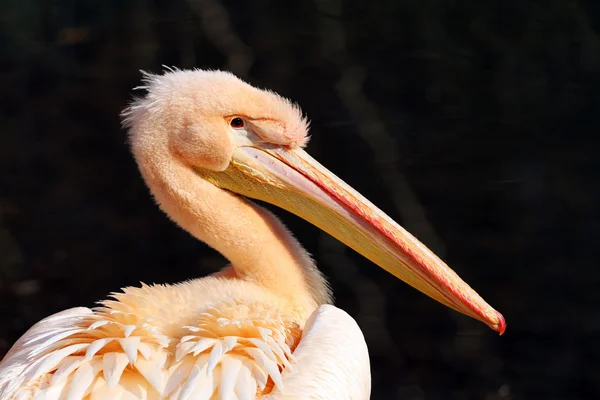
[[262, 327]]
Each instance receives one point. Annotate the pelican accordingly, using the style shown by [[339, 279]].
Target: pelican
[[206, 143]]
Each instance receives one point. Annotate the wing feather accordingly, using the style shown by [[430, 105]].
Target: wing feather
[[18, 363], [332, 360]]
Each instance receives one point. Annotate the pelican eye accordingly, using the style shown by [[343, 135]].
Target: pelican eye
[[237, 123]]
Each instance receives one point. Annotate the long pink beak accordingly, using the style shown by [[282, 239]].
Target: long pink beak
[[292, 180]]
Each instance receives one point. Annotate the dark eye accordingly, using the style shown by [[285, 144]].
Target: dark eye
[[237, 122]]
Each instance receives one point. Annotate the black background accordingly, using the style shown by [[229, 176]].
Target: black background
[[472, 123]]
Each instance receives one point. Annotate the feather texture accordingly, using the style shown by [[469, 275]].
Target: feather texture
[[232, 349], [332, 360]]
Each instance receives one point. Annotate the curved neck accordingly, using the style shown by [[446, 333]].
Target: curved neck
[[258, 245]]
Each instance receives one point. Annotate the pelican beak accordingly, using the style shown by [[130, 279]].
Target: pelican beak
[[294, 181]]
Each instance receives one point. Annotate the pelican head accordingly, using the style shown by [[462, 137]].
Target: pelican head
[[250, 142]]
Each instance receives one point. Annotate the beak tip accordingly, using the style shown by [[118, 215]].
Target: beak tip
[[500, 327]]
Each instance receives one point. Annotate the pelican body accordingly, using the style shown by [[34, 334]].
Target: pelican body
[[261, 328]]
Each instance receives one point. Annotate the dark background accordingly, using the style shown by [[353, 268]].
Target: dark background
[[472, 123]]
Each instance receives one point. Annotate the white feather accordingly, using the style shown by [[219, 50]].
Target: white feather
[[215, 356], [113, 366], [129, 346], [245, 387], [82, 380], [332, 360], [128, 330], [202, 345], [257, 373], [98, 324], [230, 368], [195, 378], [177, 375], [95, 346], [153, 370], [270, 367], [51, 360], [68, 365]]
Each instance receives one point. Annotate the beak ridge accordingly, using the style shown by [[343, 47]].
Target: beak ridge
[[291, 179]]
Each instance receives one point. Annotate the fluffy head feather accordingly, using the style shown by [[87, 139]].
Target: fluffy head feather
[[178, 100]]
